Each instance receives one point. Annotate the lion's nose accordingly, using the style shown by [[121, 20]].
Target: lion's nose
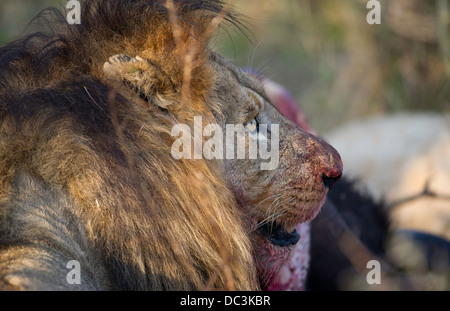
[[330, 167], [329, 180]]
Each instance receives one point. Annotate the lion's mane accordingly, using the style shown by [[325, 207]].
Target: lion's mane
[[86, 173]]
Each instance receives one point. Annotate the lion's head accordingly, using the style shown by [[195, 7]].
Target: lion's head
[[276, 190], [274, 200]]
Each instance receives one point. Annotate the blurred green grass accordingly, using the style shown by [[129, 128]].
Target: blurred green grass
[[337, 66]]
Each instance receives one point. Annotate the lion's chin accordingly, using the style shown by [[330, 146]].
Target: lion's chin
[[284, 233], [279, 235]]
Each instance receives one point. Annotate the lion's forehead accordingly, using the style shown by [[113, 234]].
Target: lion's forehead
[[239, 83], [251, 98]]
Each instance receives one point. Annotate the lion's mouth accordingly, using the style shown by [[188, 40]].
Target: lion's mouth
[[278, 235]]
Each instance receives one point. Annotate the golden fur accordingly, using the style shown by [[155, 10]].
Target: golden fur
[[136, 209]]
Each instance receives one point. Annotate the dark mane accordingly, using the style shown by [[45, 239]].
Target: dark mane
[[64, 56], [64, 127]]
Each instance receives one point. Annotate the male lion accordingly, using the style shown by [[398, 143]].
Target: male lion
[[86, 172]]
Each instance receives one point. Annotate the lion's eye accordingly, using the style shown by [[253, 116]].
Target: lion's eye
[[252, 126]]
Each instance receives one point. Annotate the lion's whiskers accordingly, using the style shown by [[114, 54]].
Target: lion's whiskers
[[278, 197], [279, 200]]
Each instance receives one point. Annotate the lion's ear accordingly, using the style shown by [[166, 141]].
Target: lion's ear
[[152, 83], [146, 79]]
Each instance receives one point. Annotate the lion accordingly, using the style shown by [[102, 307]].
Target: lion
[[86, 172]]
